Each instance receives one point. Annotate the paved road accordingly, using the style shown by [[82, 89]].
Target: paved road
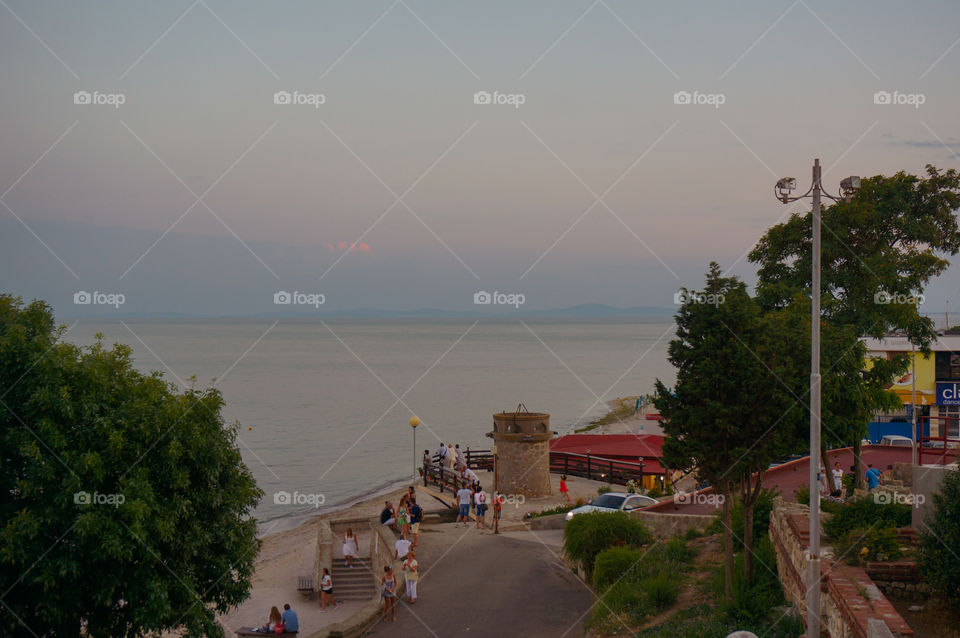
[[478, 585]]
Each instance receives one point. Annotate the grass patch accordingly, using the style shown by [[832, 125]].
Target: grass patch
[[559, 509]]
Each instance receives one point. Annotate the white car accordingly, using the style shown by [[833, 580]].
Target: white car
[[896, 440], [614, 502]]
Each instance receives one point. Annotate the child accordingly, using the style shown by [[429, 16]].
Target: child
[[563, 487]]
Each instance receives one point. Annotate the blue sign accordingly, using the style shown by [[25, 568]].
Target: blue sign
[[948, 392]]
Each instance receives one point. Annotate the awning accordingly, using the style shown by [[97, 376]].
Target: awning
[[923, 398]]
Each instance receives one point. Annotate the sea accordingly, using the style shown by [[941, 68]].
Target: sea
[[324, 406]]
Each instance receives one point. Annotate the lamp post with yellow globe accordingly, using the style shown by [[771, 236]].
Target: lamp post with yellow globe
[[414, 422]]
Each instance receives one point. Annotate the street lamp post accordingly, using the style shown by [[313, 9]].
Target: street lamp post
[[414, 422], [782, 191]]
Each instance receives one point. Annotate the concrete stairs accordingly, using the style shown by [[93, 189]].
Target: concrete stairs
[[353, 584]]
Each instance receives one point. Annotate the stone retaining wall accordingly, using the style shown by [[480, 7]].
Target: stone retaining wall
[[851, 604]]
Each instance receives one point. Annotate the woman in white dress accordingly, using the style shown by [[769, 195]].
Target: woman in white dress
[[350, 548]]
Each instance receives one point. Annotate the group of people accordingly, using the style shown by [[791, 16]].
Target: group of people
[[834, 490], [279, 623], [405, 520], [448, 456], [475, 495]]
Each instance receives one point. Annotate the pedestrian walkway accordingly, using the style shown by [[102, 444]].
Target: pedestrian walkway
[[478, 584]]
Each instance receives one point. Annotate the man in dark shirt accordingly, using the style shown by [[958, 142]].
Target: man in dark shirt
[[416, 515], [387, 516]]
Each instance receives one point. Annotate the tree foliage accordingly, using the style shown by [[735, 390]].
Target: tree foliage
[[737, 402], [879, 250], [125, 506], [939, 540]]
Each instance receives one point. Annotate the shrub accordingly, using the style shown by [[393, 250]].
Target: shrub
[[589, 534], [661, 589], [874, 543], [625, 601], [678, 551], [802, 494], [692, 533], [603, 489], [939, 539], [752, 602], [616, 563], [559, 509], [865, 513]]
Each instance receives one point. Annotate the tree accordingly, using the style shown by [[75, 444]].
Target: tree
[[939, 538], [734, 407], [879, 251], [125, 506]]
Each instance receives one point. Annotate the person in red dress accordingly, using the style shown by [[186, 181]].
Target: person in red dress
[[563, 487]]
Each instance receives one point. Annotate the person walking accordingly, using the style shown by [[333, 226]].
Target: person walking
[[480, 498], [388, 591], [461, 459], [441, 453], [416, 515], [563, 487], [464, 496], [350, 548], [837, 478], [450, 459], [401, 548], [326, 590], [411, 573]]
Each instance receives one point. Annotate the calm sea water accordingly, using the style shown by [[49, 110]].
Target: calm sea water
[[325, 408]]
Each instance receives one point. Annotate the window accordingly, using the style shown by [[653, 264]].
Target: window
[[951, 424], [947, 366]]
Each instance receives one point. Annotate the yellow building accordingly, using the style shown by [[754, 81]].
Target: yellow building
[[931, 384]]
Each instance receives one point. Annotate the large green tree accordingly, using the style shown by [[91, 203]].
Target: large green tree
[[125, 505], [735, 405], [879, 251]]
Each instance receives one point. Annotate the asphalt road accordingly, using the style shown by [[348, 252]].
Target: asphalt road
[[477, 584]]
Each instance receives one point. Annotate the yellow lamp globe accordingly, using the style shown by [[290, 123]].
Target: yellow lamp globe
[[414, 421]]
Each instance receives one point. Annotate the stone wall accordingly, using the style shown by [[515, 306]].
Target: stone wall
[[523, 467], [850, 602], [899, 580]]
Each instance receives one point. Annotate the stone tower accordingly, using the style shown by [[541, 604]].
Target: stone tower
[[523, 452]]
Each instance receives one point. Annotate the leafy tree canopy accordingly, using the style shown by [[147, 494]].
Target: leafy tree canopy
[[125, 506]]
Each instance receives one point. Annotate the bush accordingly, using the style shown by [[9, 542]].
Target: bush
[[616, 563], [802, 494], [752, 602], [625, 602], [865, 513], [678, 551], [939, 539], [589, 534], [874, 543], [603, 489], [559, 509], [662, 589]]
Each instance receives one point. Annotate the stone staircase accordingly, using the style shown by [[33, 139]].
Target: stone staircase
[[353, 584]]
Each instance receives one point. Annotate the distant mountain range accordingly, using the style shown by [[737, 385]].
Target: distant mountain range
[[582, 311]]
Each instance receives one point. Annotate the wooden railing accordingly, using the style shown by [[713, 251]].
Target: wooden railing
[[569, 463]]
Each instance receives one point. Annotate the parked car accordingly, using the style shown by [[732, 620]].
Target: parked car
[[613, 502], [896, 440]]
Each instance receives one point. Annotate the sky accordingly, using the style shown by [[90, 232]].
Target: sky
[[205, 157]]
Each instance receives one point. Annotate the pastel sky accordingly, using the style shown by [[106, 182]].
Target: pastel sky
[[383, 183]]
